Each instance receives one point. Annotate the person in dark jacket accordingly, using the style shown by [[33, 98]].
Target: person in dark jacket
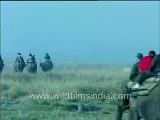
[[155, 65], [134, 71]]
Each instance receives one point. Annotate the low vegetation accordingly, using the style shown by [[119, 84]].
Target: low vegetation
[[93, 79]]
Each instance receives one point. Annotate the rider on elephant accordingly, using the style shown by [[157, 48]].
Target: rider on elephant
[[134, 73], [19, 58], [144, 105], [155, 65], [144, 69], [46, 58], [31, 58]]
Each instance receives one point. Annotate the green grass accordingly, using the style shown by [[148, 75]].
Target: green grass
[[16, 105]]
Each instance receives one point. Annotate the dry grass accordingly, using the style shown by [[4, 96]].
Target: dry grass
[[67, 78]]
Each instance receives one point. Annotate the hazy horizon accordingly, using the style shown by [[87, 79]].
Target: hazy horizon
[[80, 32]]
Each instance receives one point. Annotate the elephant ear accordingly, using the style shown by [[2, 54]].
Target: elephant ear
[[145, 88]]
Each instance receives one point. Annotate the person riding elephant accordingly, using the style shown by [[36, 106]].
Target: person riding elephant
[[19, 58], [155, 65], [30, 59], [19, 63], [46, 58], [31, 66], [33, 58], [144, 69], [134, 71], [133, 74], [146, 107], [125, 90], [46, 63]]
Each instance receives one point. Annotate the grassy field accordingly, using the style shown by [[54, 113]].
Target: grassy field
[[16, 88]]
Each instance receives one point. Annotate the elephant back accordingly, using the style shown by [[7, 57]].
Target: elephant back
[[31, 67], [146, 106], [148, 86], [46, 66], [19, 66]]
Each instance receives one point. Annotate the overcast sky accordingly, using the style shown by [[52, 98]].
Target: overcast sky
[[80, 32]]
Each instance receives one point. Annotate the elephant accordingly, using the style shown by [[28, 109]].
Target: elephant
[[31, 67], [1, 66], [46, 66], [146, 107], [19, 66], [141, 107]]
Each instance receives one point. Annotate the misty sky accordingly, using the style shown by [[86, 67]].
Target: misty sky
[[80, 32]]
